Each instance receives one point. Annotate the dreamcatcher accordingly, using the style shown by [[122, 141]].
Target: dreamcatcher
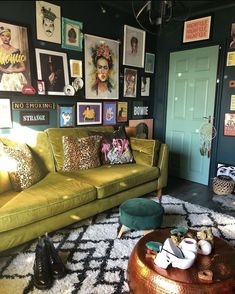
[[207, 133]]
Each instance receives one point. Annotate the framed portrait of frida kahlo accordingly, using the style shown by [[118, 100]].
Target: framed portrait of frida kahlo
[[101, 68], [14, 57]]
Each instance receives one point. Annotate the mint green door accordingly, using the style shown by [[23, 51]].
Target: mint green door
[[191, 96]]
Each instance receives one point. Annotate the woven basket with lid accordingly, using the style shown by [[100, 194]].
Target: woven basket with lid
[[223, 185]]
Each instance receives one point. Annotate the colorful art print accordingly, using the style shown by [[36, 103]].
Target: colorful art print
[[75, 68], [133, 46], [52, 68], [72, 36], [226, 170], [48, 22], [229, 124], [130, 82], [34, 118], [122, 111], [109, 113], [140, 109], [232, 37], [149, 62], [14, 57], [145, 86], [5, 114], [65, 115], [197, 29], [140, 124], [231, 58], [32, 105], [101, 68], [89, 113], [41, 87]]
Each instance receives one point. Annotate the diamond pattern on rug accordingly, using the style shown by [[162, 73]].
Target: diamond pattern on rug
[[95, 259]]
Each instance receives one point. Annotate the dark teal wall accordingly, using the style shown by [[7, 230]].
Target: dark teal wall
[[171, 40], [109, 25]]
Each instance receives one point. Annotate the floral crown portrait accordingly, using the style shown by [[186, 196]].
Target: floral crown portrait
[[102, 51]]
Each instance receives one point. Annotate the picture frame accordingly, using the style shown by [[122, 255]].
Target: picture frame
[[229, 124], [65, 115], [101, 68], [5, 114], [52, 68], [145, 86], [140, 109], [142, 126], [232, 37], [89, 113], [18, 41], [75, 68], [197, 29], [72, 36], [130, 82], [149, 62], [133, 46], [41, 87], [122, 111], [109, 113], [48, 22]]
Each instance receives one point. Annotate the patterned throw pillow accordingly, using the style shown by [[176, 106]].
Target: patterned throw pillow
[[22, 168], [81, 153], [115, 147]]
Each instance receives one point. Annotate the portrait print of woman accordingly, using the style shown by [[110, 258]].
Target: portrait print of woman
[[101, 68], [14, 58]]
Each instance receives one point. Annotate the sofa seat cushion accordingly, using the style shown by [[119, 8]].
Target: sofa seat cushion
[[51, 196], [112, 179]]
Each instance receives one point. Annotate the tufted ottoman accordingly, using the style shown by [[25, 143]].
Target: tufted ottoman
[[140, 214]]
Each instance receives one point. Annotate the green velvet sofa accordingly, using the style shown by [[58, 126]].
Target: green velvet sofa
[[62, 198]]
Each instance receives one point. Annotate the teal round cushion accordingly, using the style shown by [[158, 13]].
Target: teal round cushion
[[141, 214]]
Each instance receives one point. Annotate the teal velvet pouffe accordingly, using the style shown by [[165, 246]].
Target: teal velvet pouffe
[[141, 214]]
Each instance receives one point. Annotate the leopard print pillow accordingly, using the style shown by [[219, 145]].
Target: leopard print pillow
[[81, 153], [22, 168]]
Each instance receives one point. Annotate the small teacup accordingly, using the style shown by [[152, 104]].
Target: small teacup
[[189, 244]]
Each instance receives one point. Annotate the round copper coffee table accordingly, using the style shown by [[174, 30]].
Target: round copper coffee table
[[144, 277]]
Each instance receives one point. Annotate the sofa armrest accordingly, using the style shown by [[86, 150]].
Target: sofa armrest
[[152, 153]]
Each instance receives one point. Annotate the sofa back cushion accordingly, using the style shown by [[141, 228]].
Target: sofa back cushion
[[55, 136], [145, 151]]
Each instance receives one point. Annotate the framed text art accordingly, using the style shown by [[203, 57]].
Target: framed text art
[[229, 124], [28, 118], [149, 62], [66, 115], [52, 68], [101, 68], [197, 29], [89, 113], [130, 82], [122, 111], [109, 113], [14, 61], [5, 114], [48, 22], [133, 46], [72, 34]]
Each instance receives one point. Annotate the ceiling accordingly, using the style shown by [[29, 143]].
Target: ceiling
[[182, 8]]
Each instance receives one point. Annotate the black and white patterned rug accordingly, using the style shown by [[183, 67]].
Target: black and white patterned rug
[[95, 259]]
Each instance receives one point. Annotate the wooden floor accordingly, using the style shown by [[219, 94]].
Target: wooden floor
[[194, 193]]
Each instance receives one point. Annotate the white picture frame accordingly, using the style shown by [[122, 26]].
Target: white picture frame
[[133, 46], [59, 59], [5, 114], [75, 68]]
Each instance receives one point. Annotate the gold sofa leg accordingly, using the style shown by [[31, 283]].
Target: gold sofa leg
[[159, 193]]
